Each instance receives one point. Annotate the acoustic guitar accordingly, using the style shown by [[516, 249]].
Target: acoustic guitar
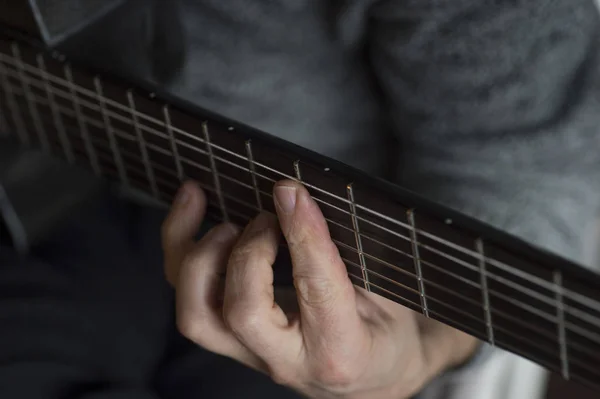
[[394, 243]]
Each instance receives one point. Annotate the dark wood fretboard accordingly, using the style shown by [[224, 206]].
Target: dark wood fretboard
[[394, 243]]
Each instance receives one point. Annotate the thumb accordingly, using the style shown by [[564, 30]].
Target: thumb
[[326, 296], [181, 226]]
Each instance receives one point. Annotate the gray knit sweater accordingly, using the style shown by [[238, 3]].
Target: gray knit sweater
[[491, 107]]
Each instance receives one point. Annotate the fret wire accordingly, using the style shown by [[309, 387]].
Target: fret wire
[[359, 247], [142, 144], [214, 171], [14, 109], [432, 249], [56, 117], [110, 133], [297, 170], [484, 291], [568, 293], [560, 315], [174, 150], [324, 202], [31, 105], [85, 134], [407, 301], [250, 156], [417, 261]]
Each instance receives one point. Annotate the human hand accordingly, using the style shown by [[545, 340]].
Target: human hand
[[343, 342]]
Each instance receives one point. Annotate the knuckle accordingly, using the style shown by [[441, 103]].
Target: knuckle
[[283, 377], [336, 373], [190, 328], [241, 320], [252, 252], [240, 254], [316, 291], [300, 236]]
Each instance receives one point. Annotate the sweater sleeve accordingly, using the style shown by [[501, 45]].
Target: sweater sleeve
[[496, 106]]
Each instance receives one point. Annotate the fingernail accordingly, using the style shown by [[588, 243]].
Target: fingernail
[[225, 232], [286, 198], [183, 196]]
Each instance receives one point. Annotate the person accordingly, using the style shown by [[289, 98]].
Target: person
[[491, 110]]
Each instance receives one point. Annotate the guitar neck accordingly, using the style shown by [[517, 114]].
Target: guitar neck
[[430, 259]]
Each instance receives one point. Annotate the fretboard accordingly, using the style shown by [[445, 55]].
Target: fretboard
[[395, 244]]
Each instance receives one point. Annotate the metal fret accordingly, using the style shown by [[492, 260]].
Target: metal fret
[[215, 173], [109, 132], [359, 247], [29, 97], [85, 133], [14, 109], [485, 296], [417, 260], [174, 150], [252, 169], [560, 317], [297, 170], [142, 145], [56, 117]]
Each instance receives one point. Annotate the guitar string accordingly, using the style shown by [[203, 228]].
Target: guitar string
[[575, 296], [160, 123], [594, 304], [574, 344], [174, 187], [578, 313], [461, 262]]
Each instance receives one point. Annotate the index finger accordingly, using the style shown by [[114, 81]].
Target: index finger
[[181, 226]]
